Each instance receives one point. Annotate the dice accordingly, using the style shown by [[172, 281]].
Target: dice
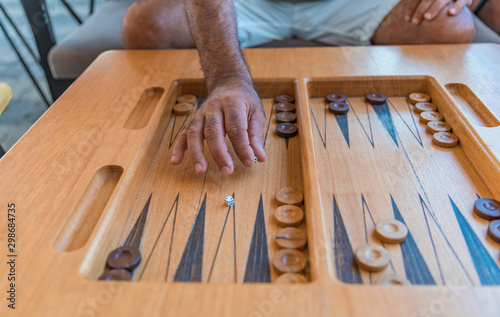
[[255, 160], [229, 201]]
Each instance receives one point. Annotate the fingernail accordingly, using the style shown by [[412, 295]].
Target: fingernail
[[407, 18], [414, 21], [198, 167], [226, 170], [453, 10], [427, 16], [172, 159]]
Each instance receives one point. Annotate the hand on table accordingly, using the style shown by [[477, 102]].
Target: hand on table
[[418, 10], [233, 109]]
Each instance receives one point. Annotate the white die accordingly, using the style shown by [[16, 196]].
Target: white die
[[255, 160], [229, 201]]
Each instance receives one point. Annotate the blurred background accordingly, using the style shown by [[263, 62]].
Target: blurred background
[[27, 105]]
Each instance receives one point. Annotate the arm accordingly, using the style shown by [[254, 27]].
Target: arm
[[233, 106]]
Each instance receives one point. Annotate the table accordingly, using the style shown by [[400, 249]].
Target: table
[[93, 174]]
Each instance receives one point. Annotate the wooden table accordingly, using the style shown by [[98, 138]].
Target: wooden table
[[81, 177]]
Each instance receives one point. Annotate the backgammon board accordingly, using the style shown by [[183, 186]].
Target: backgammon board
[[94, 174]]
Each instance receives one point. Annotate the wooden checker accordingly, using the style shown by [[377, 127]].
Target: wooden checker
[[94, 174]]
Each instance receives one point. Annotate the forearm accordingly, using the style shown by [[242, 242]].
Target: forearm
[[214, 30]]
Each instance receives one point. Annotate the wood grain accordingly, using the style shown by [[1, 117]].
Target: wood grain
[[201, 257]]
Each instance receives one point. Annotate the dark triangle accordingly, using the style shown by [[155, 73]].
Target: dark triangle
[[344, 126], [487, 270], [416, 269], [257, 270], [135, 236], [190, 267], [347, 270], [384, 115], [286, 141]]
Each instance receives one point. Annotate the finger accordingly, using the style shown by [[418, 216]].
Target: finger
[[237, 129], [180, 148], [195, 144], [410, 9], [434, 9], [420, 10], [458, 6], [256, 126], [214, 134]]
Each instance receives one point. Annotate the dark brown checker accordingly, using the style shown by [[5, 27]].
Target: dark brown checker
[[336, 97], [116, 275], [127, 257], [284, 107], [286, 117], [376, 98], [338, 107], [487, 208], [286, 130], [285, 98]]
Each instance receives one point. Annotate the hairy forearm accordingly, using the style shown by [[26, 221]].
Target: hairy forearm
[[213, 27]]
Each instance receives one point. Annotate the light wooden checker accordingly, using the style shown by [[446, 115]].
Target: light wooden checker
[[95, 129]]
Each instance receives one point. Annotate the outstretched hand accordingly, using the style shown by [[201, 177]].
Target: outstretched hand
[[418, 10], [233, 109]]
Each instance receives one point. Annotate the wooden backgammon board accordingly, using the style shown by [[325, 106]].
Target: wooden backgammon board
[[94, 174]]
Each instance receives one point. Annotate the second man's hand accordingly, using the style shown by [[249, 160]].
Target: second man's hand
[[234, 109]]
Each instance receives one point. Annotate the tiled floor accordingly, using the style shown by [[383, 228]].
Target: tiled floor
[[26, 105]]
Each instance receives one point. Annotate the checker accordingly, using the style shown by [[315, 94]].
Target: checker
[[291, 278], [336, 97], [289, 196], [427, 116], [288, 216], [376, 98], [372, 257], [445, 139], [338, 107], [285, 98], [286, 117], [284, 107], [183, 108], [393, 280], [437, 126], [494, 230], [424, 106], [126, 257], [116, 275], [487, 208], [286, 130]]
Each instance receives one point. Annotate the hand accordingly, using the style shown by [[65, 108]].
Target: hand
[[234, 109], [416, 10]]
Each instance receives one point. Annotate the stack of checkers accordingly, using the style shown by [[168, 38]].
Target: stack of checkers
[[290, 261], [285, 116], [433, 120], [489, 209], [375, 258], [337, 103], [186, 104], [120, 264]]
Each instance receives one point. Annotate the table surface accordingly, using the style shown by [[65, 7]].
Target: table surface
[[81, 178]]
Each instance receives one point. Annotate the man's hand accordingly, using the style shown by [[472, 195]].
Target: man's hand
[[417, 10], [233, 109]]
